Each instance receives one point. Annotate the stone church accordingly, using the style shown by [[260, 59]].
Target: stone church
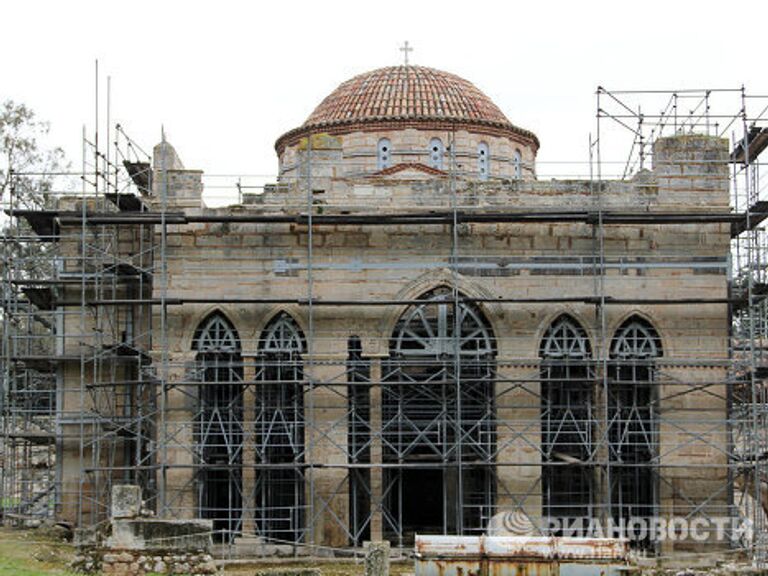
[[406, 332]]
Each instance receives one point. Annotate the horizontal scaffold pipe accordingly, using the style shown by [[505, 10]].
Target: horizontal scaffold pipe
[[422, 217], [596, 300], [396, 465]]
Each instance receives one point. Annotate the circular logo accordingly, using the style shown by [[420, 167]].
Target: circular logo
[[517, 523]]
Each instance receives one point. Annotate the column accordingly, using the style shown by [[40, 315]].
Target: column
[[249, 449], [693, 449], [176, 449], [518, 437], [327, 487], [377, 472]]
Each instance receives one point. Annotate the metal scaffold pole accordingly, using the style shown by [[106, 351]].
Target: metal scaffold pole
[[468, 346]]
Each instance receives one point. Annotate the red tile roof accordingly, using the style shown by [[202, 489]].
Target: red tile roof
[[415, 166], [406, 91], [399, 97]]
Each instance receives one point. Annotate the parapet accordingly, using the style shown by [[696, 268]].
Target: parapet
[[688, 167], [173, 185]]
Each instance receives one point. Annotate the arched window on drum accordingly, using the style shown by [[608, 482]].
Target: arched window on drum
[[384, 154], [436, 153], [483, 161]]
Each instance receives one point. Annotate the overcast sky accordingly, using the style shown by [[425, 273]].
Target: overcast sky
[[226, 79]]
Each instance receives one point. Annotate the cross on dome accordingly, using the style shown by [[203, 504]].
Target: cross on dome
[[405, 48]]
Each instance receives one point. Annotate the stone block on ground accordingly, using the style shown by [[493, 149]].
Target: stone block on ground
[[156, 534], [377, 558], [287, 571], [126, 501]]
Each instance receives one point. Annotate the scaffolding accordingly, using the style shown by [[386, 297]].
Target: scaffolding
[[745, 385], [294, 431], [44, 343]]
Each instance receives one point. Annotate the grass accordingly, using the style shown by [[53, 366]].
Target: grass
[[18, 551], [327, 568], [16, 569]]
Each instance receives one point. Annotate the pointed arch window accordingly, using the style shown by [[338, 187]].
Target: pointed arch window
[[216, 334], [438, 408], [283, 337], [436, 153], [565, 339], [219, 425], [359, 391], [483, 161], [279, 430], [633, 421], [384, 154], [567, 420], [636, 339]]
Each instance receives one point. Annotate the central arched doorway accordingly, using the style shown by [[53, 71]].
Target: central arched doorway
[[438, 428]]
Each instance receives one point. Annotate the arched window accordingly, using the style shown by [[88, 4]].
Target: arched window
[[219, 425], [483, 161], [279, 430], [429, 330], [517, 163], [359, 392], [436, 152], [437, 409], [567, 420], [384, 154], [633, 427], [565, 340], [216, 334], [636, 339]]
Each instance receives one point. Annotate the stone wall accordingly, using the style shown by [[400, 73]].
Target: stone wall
[[135, 563], [502, 265], [139, 563], [134, 543]]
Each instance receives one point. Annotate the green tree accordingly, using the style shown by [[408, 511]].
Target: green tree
[[29, 173], [27, 169]]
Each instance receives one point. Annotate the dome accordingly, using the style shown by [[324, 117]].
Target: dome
[[406, 97]]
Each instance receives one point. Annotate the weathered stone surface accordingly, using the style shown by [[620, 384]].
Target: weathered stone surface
[[289, 572], [377, 558], [157, 534], [135, 563], [54, 531], [126, 501]]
